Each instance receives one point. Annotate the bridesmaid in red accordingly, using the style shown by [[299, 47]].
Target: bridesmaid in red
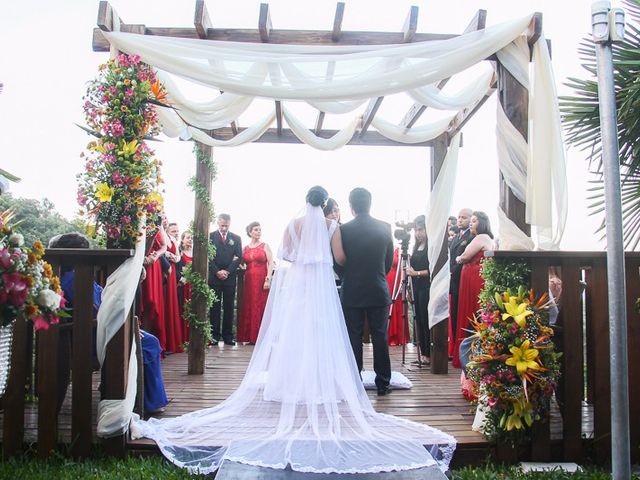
[[257, 281], [395, 320], [152, 301], [471, 282], [184, 288], [172, 310]]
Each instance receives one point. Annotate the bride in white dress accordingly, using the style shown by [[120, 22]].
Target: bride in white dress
[[301, 402]]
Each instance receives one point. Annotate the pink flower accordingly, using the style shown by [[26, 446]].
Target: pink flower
[[5, 259], [39, 323], [126, 220]]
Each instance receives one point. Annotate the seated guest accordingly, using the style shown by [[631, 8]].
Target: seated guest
[[155, 397]]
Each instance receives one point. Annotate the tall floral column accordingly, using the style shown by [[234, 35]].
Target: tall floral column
[[118, 189]]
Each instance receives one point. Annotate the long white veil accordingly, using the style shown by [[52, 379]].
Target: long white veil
[[301, 402]]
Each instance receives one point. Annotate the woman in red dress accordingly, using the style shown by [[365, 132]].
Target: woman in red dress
[[184, 288], [471, 282], [395, 320], [152, 304], [257, 281], [172, 311]]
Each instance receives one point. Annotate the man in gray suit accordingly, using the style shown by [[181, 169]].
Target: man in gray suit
[[368, 246]]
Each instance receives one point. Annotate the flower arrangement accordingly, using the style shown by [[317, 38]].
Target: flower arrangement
[[118, 189], [28, 286], [513, 364]]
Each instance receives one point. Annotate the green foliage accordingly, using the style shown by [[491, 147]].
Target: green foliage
[[199, 289], [501, 275], [61, 468], [493, 472], [581, 118], [38, 219]]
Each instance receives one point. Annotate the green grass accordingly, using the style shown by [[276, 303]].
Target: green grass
[[155, 467]]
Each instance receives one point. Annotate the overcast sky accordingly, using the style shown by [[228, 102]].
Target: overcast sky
[[46, 59]]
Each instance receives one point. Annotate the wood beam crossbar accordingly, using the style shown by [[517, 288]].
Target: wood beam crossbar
[[370, 112], [201, 20], [279, 117], [410, 24], [465, 115], [264, 23], [478, 22], [337, 22]]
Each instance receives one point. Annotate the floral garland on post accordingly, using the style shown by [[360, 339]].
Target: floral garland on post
[[118, 189], [28, 286], [199, 285], [513, 360]]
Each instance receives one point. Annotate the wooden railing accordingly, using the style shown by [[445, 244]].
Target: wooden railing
[[582, 335], [88, 265]]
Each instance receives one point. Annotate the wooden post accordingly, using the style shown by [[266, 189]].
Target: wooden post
[[200, 261], [440, 331], [514, 99]]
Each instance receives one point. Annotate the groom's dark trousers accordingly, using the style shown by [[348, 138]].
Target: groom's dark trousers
[[368, 246]]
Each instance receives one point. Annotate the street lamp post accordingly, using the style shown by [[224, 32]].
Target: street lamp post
[[608, 27]]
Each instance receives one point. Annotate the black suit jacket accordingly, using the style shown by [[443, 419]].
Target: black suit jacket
[[368, 246], [458, 244], [224, 259]]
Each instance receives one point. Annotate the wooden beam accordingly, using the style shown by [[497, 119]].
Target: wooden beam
[[297, 37], [370, 112], [410, 24], [288, 137], [337, 22], [279, 117], [478, 22], [106, 17], [319, 120], [535, 29], [264, 23], [466, 114], [201, 19]]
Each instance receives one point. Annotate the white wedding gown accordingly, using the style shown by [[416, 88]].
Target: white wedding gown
[[301, 402]]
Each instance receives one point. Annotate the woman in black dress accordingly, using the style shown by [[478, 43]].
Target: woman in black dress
[[418, 271]]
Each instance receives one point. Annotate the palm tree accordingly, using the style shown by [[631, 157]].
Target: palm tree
[[581, 118]]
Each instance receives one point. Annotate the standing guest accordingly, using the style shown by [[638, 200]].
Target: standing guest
[[418, 271], [331, 210], [222, 278], [184, 288], [258, 260], [396, 312], [172, 310], [456, 247], [152, 303], [471, 282], [368, 247]]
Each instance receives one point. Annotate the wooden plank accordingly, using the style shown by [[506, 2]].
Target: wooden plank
[[514, 99], [264, 22], [48, 364], [81, 366], [466, 114], [440, 331], [597, 296], [281, 36], [572, 361], [410, 24], [201, 19], [279, 117], [370, 138], [632, 282], [318, 128], [337, 22], [13, 401], [370, 113], [534, 30]]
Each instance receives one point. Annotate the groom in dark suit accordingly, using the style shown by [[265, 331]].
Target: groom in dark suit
[[456, 248], [222, 278], [368, 246]]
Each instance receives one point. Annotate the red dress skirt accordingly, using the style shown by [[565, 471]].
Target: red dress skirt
[[172, 318], [184, 295], [254, 296], [152, 306], [471, 284], [395, 321]]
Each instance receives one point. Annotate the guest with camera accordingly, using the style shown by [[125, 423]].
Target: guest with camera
[[418, 272]]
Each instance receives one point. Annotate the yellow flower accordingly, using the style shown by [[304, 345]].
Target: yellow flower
[[521, 411], [90, 230], [517, 310], [104, 192], [98, 147], [523, 358], [154, 197], [128, 148]]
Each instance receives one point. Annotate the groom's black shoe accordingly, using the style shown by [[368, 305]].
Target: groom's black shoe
[[229, 342], [384, 391]]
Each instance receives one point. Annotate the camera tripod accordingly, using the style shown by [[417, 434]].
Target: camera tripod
[[402, 289]]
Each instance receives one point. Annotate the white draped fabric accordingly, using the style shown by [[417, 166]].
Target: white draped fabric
[[301, 402], [438, 208]]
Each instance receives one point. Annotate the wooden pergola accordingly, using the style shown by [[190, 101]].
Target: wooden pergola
[[511, 94]]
